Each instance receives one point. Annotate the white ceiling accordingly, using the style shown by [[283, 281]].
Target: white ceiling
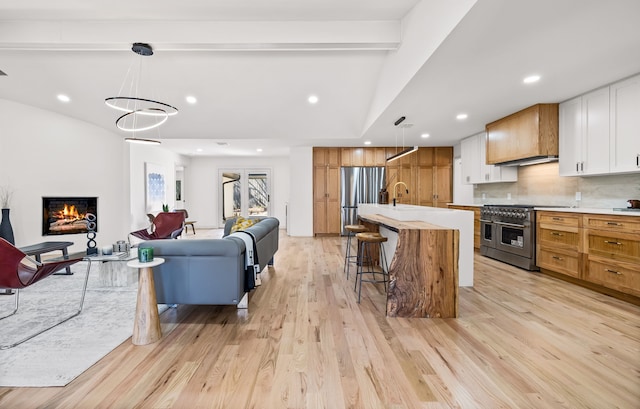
[[253, 63]]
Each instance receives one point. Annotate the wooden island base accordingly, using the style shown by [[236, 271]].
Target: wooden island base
[[423, 270]]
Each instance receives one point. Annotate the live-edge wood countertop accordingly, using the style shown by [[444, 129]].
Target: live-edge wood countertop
[[396, 225], [423, 272]]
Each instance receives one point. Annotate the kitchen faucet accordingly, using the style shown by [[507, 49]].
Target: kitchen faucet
[[394, 190]]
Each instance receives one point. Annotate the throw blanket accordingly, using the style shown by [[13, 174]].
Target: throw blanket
[[251, 265]]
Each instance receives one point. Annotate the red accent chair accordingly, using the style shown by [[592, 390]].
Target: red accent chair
[[17, 271], [166, 225]]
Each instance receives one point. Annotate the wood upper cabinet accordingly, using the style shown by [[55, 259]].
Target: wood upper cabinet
[[352, 156], [326, 191], [525, 134]]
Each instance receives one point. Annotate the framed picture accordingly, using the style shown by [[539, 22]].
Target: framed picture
[[155, 186], [178, 190]]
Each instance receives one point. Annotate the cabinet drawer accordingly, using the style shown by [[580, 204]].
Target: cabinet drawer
[[559, 262], [552, 237], [559, 219], [618, 276], [621, 224], [610, 246]]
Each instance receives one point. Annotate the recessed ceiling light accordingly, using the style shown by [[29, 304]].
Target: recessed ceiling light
[[531, 79], [63, 98], [199, 150], [259, 150], [313, 99], [191, 99], [367, 142], [424, 135], [460, 117]]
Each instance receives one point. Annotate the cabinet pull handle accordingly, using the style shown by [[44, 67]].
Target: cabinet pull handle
[[638, 160], [559, 219], [557, 258], [577, 166], [614, 224], [613, 271], [617, 243], [555, 233], [581, 166]]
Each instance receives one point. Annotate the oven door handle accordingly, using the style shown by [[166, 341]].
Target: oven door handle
[[517, 226], [486, 221]]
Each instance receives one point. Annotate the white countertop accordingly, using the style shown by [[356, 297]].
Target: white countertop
[[461, 220], [590, 210]]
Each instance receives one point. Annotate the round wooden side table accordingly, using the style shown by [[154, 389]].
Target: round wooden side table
[[146, 326]]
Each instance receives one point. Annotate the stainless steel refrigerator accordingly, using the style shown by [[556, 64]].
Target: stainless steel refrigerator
[[359, 185]]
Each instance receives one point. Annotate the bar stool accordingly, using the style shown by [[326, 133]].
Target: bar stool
[[365, 242], [352, 229]]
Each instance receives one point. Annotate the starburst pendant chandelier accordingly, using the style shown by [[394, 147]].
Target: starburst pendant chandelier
[[139, 114]]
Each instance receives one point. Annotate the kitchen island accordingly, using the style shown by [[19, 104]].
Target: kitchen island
[[461, 220]]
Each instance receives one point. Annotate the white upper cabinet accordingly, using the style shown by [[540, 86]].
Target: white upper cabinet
[[625, 126], [600, 131], [474, 167], [584, 134]]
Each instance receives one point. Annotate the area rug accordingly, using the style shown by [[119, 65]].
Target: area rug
[[59, 355]]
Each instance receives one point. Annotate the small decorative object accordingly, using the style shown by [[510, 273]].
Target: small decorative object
[[107, 250], [145, 254], [165, 207], [6, 230], [92, 249], [120, 246], [383, 196]]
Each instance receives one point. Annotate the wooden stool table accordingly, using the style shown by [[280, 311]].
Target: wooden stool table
[[146, 326]]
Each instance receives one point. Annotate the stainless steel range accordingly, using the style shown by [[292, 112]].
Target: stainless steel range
[[508, 234]]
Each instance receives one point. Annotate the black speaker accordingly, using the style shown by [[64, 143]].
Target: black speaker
[[92, 248]]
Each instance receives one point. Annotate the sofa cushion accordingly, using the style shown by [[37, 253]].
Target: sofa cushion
[[242, 224]]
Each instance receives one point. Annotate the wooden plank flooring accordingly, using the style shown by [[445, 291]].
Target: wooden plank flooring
[[523, 340]]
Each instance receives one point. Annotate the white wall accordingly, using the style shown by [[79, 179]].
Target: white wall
[[46, 154], [202, 187], [157, 155], [301, 200]]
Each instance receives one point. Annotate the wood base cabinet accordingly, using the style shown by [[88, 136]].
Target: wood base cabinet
[[601, 251], [476, 222]]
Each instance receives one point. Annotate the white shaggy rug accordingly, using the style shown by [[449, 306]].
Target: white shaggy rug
[[59, 355]]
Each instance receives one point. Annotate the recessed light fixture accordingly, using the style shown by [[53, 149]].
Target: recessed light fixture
[[199, 150], [367, 142], [191, 99], [424, 135], [313, 99], [531, 79], [63, 98], [461, 117], [259, 150]]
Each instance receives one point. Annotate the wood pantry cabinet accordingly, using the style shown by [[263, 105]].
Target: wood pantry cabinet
[[525, 134], [435, 176], [326, 191], [598, 251]]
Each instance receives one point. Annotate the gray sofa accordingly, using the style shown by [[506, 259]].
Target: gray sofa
[[210, 271]]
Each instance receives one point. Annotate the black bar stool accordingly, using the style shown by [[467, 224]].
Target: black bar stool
[[365, 242], [352, 229]]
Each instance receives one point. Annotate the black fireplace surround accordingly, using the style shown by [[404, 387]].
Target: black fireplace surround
[[67, 215]]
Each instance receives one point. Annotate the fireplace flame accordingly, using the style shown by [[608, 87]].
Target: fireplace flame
[[69, 212]]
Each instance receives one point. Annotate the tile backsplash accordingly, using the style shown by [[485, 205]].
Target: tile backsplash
[[542, 185]]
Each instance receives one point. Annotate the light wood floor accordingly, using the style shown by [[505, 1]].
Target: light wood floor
[[522, 341]]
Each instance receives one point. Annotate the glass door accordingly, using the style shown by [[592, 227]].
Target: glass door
[[245, 192]]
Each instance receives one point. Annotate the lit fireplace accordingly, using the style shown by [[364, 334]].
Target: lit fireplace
[[67, 215]]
